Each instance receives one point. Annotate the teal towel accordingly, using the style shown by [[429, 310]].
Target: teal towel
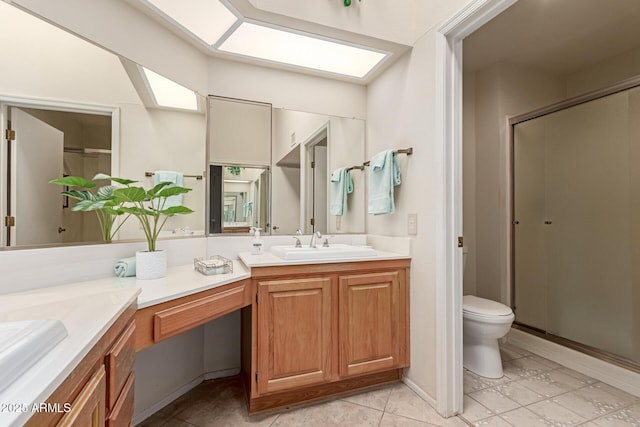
[[125, 267], [341, 185], [384, 174], [248, 209], [175, 178]]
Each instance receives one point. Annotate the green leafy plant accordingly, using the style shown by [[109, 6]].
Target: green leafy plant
[[148, 206], [101, 202]]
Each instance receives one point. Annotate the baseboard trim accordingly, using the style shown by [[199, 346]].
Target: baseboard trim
[[138, 418], [608, 373], [221, 374], [420, 392]]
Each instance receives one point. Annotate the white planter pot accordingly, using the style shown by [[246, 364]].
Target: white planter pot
[[151, 265]]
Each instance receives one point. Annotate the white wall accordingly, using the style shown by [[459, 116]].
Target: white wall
[[400, 114], [112, 24], [285, 89]]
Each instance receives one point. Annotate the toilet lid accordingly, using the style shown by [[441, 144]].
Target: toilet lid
[[484, 307]]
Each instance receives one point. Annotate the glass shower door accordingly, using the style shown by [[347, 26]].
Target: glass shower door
[[576, 202]]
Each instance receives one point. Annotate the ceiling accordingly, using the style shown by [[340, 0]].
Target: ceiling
[[351, 25], [558, 36]]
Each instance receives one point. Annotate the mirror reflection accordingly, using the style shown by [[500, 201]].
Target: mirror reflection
[[239, 198], [301, 150], [78, 117], [307, 148]]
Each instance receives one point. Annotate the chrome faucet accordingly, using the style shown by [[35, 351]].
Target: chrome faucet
[[297, 239], [312, 243]]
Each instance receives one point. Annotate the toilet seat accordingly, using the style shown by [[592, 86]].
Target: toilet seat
[[473, 306]]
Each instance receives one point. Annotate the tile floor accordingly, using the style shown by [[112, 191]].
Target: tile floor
[[534, 392]]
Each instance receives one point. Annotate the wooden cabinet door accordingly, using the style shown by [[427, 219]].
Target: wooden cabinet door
[[87, 410], [294, 333], [371, 323]]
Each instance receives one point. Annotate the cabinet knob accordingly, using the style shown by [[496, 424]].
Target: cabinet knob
[[547, 222]]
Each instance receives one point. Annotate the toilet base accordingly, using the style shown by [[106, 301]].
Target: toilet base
[[482, 357]]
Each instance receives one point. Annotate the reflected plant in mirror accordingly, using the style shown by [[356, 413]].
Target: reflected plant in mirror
[[101, 202], [152, 207], [78, 118]]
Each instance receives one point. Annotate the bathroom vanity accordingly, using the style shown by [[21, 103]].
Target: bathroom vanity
[[310, 329], [99, 391], [316, 330]]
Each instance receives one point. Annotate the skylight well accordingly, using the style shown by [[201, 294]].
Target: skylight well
[[217, 24], [206, 19], [170, 94], [288, 47]]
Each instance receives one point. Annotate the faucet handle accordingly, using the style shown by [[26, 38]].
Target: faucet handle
[[298, 232], [298, 244], [325, 244]]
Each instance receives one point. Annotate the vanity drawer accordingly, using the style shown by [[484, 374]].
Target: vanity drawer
[[122, 412], [88, 408], [175, 320], [119, 363]]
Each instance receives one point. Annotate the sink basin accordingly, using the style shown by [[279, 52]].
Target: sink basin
[[24, 343], [335, 251]]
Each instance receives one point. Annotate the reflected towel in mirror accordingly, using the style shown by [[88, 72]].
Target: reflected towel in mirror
[[175, 178], [341, 186]]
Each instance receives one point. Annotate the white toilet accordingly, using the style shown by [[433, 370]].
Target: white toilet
[[484, 322]]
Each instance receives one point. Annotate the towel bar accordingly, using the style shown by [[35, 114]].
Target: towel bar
[[407, 151], [186, 176]]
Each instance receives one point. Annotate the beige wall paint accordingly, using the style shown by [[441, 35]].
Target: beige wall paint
[[501, 91], [469, 181], [604, 73]]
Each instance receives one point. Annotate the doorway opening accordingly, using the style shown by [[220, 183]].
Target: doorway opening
[[45, 140], [316, 187]]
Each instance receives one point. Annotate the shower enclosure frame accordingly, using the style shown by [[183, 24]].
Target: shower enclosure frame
[[621, 86]]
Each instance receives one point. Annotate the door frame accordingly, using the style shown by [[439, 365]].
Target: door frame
[[449, 55], [306, 174], [7, 101]]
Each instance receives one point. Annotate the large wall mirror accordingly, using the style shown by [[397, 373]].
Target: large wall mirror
[[78, 109], [292, 151]]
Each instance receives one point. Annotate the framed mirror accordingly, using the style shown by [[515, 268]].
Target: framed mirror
[[300, 151], [239, 198], [91, 111]]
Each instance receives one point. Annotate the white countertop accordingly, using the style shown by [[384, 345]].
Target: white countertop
[[268, 259], [86, 312], [88, 309]]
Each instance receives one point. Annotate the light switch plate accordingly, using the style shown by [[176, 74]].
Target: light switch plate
[[412, 224]]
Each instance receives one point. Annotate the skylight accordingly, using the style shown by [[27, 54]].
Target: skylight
[[170, 94], [302, 50], [206, 19]]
